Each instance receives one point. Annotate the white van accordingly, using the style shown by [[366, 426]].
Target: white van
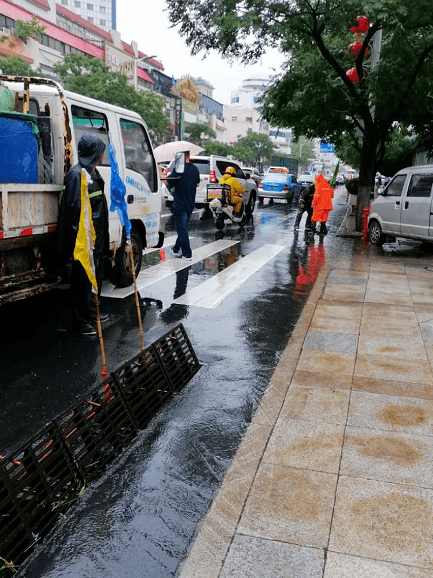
[[58, 119], [404, 207]]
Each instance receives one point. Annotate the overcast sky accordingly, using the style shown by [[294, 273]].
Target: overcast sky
[[147, 23]]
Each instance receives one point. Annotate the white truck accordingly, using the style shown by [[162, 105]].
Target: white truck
[[39, 131]]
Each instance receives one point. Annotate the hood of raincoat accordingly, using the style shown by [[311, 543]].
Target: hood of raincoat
[[90, 148]]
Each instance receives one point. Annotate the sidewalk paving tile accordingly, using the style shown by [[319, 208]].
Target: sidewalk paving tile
[[381, 266], [347, 281], [344, 293], [249, 556], [376, 296], [299, 444], [398, 369], [290, 505], [390, 328], [383, 307], [385, 412], [316, 404], [338, 310], [328, 379], [343, 566], [333, 324], [387, 315], [423, 312], [329, 341], [427, 330], [383, 521], [390, 387], [323, 361], [392, 346], [400, 458]]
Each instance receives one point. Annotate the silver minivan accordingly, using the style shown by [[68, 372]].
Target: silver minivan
[[404, 207]]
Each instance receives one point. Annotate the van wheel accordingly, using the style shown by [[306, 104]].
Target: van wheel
[[122, 272], [375, 234], [251, 203]]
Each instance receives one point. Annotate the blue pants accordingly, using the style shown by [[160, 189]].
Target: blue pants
[[181, 220]]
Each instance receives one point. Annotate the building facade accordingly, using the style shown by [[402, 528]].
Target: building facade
[[102, 13]]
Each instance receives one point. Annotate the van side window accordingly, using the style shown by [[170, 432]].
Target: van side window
[[222, 165], [87, 120], [395, 187], [138, 152], [420, 186]]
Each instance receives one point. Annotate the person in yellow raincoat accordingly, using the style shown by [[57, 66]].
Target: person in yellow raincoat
[[322, 203], [236, 189]]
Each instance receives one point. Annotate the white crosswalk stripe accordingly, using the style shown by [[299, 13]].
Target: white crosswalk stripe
[[162, 270], [213, 291]]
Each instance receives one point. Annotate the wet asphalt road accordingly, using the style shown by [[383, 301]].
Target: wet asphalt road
[[139, 518]]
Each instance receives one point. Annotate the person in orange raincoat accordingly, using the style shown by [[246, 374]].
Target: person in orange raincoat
[[322, 203]]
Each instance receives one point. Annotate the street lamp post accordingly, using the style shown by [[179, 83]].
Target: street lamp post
[[137, 60]]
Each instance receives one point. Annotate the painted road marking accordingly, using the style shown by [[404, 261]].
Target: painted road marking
[[213, 291], [168, 242], [154, 274]]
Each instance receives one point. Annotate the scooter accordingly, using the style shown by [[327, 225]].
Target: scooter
[[219, 196]]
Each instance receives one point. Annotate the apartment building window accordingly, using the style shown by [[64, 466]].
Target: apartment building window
[[102, 22], [90, 19], [102, 9], [234, 118], [89, 6], [65, 2], [77, 4], [6, 22]]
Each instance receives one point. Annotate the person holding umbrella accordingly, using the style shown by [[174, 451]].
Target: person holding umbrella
[[183, 180]]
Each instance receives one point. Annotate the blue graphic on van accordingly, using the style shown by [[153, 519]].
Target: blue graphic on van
[[136, 185]]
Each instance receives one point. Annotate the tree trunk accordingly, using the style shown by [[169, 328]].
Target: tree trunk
[[367, 174]]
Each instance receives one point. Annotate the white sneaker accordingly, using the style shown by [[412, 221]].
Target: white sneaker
[[175, 253], [187, 258]]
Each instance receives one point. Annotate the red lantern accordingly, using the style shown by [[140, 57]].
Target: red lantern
[[352, 75], [355, 49], [362, 25]]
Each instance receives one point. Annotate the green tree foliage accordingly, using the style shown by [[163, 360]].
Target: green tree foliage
[[213, 147], [313, 94], [17, 66], [253, 148], [302, 151], [30, 29], [90, 77], [197, 130]]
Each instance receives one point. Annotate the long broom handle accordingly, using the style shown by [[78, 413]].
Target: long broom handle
[[137, 301], [100, 337]]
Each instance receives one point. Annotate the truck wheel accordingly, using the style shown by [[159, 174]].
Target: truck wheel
[[220, 223], [375, 234], [122, 273], [251, 203]]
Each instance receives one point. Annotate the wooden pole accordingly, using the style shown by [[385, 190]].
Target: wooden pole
[[100, 337], [137, 300]]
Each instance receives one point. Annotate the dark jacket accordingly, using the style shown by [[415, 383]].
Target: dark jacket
[[185, 188], [90, 148], [306, 196]]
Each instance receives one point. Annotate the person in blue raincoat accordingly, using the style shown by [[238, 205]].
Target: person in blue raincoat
[[90, 153], [185, 187]]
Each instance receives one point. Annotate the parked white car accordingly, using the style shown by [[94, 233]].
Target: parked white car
[[211, 169], [404, 208]]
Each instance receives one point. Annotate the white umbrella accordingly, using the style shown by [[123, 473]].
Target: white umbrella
[[167, 152]]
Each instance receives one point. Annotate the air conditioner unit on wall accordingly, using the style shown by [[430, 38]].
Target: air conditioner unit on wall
[[5, 31]]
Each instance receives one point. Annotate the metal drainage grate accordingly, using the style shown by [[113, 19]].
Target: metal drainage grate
[[43, 478]]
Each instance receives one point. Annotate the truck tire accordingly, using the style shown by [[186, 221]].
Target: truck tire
[[122, 274]]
